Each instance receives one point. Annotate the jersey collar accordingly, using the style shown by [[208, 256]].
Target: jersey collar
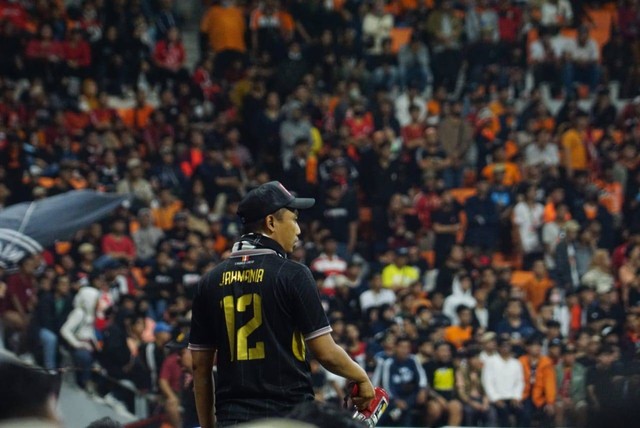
[[254, 240]]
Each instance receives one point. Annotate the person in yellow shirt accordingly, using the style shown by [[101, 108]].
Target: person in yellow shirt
[[575, 156], [399, 275]]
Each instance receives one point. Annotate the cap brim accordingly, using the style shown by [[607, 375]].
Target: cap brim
[[301, 203], [173, 345]]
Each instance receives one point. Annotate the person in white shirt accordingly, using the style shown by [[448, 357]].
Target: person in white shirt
[[503, 382], [545, 55], [409, 98], [376, 27], [543, 151], [462, 294], [328, 262], [551, 234], [582, 65], [555, 13], [376, 295], [528, 217]]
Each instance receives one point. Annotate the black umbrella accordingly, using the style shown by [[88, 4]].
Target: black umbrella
[[27, 227]]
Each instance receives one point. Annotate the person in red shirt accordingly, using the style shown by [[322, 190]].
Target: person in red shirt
[[169, 59], [117, 245], [169, 384], [360, 122], [77, 54], [20, 298], [413, 132], [103, 117], [45, 56]]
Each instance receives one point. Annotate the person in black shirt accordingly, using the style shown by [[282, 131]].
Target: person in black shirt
[[258, 311], [442, 382], [446, 224]]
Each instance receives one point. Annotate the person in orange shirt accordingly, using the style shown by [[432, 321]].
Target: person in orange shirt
[[536, 288], [575, 156], [164, 214], [509, 171], [458, 335], [539, 395], [222, 31], [271, 29], [611, 193], [137, 116]]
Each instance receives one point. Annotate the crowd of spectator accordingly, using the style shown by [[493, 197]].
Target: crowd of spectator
[[478, 254]]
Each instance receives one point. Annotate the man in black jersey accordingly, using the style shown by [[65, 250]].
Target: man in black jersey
[[258, 311]]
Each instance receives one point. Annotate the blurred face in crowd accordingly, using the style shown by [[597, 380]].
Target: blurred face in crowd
[[352, 332], [437, 300], [466, 317], [539, 269], [606, 358], [483, 188], [569, 355], [443, 353], [403, 349], [534, 350], [490, 346], [137, 327], [426, 349], [457, 254], [595, 342], [504, 349], [475, 362], [63, 285], [389, 342], [514, 309]]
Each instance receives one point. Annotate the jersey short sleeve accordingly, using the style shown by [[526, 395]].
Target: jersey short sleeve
[[308, 313], [202, 325]]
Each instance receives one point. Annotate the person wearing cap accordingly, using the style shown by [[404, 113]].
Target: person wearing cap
[[571, 400], [539, 395], [257, 312]]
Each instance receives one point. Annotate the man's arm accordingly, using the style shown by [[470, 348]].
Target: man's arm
[[203, 386], [335, 359]]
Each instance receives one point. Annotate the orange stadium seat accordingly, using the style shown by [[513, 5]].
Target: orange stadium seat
[[400, 36]]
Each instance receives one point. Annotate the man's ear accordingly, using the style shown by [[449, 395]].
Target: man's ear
[[269, 222]]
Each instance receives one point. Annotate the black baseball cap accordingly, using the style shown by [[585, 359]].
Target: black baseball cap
[[267, 199], [180, 341]]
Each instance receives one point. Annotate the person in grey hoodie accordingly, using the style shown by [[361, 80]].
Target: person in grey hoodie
[[79, 332]]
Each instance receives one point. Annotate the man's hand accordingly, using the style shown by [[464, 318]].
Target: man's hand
[[364, 396], [499, 404]]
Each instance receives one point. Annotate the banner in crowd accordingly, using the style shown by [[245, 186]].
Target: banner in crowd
[[28, 227]]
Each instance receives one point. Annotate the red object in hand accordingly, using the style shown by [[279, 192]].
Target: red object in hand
[[371, 415]]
